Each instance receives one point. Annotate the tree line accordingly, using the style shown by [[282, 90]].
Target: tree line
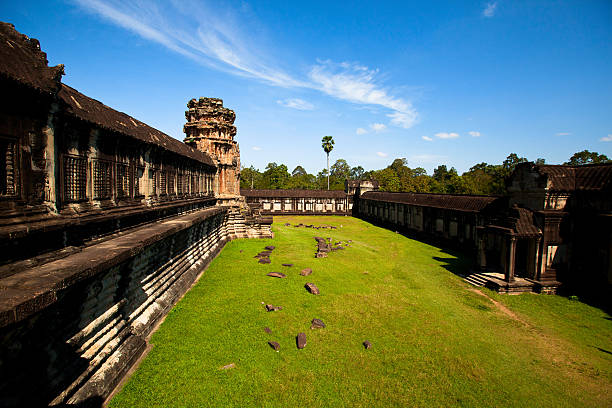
[[482, 178]]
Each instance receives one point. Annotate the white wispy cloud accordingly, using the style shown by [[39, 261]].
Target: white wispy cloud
[[257, 148], [361, 131], [445, 135], [563, 134], [219, 38], [381, 154], [489, 10], [296, 103], [427, 138], [378, 127], [606, 138], [355, 83], [473, 133]]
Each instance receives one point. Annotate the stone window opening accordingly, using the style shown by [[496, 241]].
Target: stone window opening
[[138, 173], [102, 179], [163, 182], [153, 182], [8, 166], [123, 180], [75, 178]]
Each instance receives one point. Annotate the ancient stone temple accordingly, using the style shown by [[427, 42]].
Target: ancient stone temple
[[210, 129]]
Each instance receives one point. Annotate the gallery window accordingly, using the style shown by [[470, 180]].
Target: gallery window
[[8, 165], [75, 178], [102, 177]]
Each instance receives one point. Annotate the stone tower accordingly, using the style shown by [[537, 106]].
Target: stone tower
[[210, 129]]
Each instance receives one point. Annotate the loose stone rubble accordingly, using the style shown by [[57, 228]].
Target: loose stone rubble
[[271, 308], [367, 344], [267, 330], [287, 264], [317, 324], [277, 275], [227, 367], [306, 271], [274, 345], [301, 340], [312, 288]]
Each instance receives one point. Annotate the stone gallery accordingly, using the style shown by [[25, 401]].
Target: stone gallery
[[105, 222]]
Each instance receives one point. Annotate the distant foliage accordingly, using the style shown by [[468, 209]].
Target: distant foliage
[[480, 179], [586, 157]]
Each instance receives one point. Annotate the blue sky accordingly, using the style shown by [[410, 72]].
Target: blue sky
[[436, 82]]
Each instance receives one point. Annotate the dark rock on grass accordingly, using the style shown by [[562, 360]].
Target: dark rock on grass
[[300, 340], [317, 324], [265, 253], [274, 345], [312, 288], [270, 247], [287, 224], [271, 308], [321, 255], [306, 271], [367, 344], [276, 275], [264, 260], [288, 264], [267, 330]]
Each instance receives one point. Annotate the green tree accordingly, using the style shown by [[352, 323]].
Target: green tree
[[511, 161], [327, 143], [276, 176], [357, 173], [298, 171], [250, 177], [587, 157]]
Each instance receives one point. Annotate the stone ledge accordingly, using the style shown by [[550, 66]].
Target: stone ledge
[[30, 291]]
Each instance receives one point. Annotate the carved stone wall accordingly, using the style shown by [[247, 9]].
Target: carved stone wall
[[73, 327]]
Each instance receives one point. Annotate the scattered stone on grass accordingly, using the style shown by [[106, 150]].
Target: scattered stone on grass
[[265, 253], [300, 340], [264, 260], [367, 344], [270, 247], [306, 271], [271, 308], [287, 264], [312, 288], [274, 345], [276, 275], [287, 224], [227, 367], [267, 330], [317, 324], [321, 255], [241, 250]]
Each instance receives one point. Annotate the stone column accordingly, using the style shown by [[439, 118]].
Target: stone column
[[511, 255], [482, 254]]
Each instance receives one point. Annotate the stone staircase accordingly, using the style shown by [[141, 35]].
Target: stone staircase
[[476, 279], [244, 222]]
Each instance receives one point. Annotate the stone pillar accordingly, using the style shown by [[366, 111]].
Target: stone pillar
[[511, 255], [482, 254]]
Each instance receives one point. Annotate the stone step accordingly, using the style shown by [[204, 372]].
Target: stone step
[[475, 279]]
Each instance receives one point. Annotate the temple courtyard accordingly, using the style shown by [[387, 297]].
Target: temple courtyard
[[402, 328]]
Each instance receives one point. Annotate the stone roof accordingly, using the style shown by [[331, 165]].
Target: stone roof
[[247, 192], [522, 222], [95, 112], [590, 177], [22, 60], [469, 203]]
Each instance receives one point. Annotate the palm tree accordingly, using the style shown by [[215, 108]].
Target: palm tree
[[327, 143]]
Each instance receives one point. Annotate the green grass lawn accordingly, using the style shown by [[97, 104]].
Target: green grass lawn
[[436, 341]]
